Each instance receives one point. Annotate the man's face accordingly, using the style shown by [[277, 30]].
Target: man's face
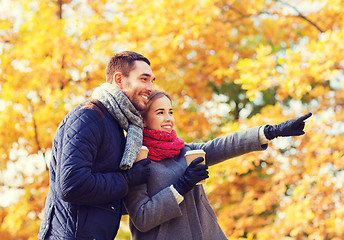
[[139, 84]]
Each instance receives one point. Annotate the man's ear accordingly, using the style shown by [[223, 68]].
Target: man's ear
[[117, 80]]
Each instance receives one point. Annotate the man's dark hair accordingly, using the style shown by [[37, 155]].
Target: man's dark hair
[[123, 62]]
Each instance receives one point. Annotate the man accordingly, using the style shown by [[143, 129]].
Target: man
[[92, 160]]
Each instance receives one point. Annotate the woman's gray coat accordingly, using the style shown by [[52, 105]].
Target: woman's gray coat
[[154, 211]]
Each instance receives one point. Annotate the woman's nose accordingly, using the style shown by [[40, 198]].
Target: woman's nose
[[169, 118]]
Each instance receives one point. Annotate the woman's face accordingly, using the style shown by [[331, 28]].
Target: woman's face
[[160, 115]]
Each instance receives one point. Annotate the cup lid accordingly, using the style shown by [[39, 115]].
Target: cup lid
[[197, 151], [144, 147]]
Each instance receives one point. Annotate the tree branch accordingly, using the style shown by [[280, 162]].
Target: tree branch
[[299, 14], [36, 133], [59, 13]]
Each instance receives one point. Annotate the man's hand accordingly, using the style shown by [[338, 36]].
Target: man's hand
[[138, 174], [293, 127]]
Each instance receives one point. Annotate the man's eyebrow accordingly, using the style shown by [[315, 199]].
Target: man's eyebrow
[[147, 75]]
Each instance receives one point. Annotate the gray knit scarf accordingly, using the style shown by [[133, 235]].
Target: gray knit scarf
[[120, 107]]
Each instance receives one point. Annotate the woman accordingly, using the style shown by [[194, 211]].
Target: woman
[[171, 205]]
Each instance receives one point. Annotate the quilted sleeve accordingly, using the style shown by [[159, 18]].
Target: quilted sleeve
[[75, 180]]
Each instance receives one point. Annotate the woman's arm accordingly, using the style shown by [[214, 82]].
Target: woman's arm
[[148, 212], [232, 145]]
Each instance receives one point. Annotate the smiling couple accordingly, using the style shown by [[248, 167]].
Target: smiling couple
[[93, 177]]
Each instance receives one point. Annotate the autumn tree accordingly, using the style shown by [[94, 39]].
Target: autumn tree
[[229, 65]]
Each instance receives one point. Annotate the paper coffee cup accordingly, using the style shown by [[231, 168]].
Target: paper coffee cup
[[142, 154], [192, 155]]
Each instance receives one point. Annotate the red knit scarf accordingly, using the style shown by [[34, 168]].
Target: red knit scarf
[[162, 144]]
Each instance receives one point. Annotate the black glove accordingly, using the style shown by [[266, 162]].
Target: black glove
[[293, 127], [138, 174], [192, 175]]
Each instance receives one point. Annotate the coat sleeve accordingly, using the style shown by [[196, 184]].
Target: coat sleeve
[[232, 145], [148, 212], [76, 181]]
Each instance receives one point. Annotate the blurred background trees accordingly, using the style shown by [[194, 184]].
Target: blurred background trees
[[229, 65]]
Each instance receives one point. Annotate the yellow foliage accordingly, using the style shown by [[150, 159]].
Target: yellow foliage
[[50, 62]]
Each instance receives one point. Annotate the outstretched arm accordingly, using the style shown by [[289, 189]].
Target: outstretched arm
[[232, 145]]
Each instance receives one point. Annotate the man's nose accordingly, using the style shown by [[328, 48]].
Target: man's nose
[[150, 87]]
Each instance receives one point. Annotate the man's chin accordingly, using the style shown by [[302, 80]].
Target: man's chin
[[140, 106]]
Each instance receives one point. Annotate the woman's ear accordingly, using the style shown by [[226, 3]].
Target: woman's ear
[[117, 80]]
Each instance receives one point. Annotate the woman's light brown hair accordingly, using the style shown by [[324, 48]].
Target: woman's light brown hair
[[154, 96]]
